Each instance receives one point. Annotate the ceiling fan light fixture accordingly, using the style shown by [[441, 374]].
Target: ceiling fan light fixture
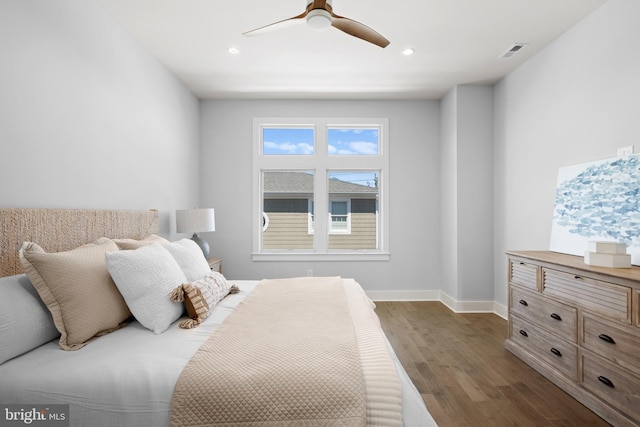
[[319, 15], [319, 19]]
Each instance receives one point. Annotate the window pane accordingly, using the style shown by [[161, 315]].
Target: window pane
[[353, 205], [287, 202], [353, 141], [287, 141], [338, 208]]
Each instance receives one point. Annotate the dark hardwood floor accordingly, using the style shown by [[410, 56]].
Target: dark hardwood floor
[[466, 377]]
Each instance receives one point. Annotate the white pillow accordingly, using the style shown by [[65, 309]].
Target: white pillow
[[190, 258], [145, 277]]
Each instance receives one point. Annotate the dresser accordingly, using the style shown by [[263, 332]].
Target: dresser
[[579, 326]]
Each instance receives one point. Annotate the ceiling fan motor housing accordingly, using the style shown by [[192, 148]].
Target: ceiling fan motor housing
[[319, 19]]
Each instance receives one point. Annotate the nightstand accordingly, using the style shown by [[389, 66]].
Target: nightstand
[[215, 264]]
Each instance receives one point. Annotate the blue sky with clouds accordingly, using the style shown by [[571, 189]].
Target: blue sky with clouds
[[353, 141], [287, 141], [300, 141]]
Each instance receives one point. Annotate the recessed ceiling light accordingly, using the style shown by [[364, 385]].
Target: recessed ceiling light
[[408, 51], [233, 50]]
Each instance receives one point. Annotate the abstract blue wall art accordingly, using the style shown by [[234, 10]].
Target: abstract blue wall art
[[598, 201]]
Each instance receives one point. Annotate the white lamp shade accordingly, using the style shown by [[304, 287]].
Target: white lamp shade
[[195, 220]]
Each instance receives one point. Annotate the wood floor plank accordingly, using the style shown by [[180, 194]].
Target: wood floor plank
[[466, 377]]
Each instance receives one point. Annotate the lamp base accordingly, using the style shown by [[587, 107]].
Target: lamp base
[[204, 246]]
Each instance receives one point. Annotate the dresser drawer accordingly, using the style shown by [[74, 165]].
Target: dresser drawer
[[557, 318], [523, 274], [612, 384], [602, 297], [612, 341], [555, 351]]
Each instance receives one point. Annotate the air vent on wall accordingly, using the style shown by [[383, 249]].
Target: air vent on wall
[[513, 50]]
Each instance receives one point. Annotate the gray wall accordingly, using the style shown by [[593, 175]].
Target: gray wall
[[466, 170], [88, 119], [449, 193], [226, 129], [577, 100]]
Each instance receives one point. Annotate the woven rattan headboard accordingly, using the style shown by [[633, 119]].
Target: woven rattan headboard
[[58, 230]]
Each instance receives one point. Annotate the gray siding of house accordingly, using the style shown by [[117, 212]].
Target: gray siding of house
[[287, 230], [290, 230], [362, 236]]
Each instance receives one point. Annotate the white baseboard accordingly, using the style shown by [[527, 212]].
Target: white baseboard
[[451, 303], [501, 310], [467, 306]]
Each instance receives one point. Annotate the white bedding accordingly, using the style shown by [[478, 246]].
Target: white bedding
[[127, 378]]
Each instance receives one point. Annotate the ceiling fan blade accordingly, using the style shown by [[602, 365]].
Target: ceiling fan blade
[[359, 30], [277, 25]]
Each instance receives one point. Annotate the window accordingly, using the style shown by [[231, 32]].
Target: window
[[320, 189], [340, 220]]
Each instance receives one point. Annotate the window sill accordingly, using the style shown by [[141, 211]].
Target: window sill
[[333, 256]]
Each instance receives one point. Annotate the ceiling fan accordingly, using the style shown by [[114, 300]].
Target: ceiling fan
[[319, 15]]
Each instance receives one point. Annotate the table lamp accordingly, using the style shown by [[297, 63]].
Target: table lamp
[[196, 221]]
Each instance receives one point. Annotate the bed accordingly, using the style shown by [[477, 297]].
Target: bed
[[194, 369]]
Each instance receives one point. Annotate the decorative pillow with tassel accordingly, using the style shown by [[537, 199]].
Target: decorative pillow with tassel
[[201, 296]]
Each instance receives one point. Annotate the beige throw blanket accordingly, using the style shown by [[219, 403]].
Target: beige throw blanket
[[288, 355]]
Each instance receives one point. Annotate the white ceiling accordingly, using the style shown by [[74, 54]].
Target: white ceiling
[[455, 42]]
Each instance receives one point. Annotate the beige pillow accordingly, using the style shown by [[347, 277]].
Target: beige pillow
[[77, 289], [201, 296], [129, 244]]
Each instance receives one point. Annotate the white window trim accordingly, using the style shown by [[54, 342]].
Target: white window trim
[[310, 217], [321, 163]]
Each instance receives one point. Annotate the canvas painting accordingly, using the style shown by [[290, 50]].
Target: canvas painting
[[598, 201]]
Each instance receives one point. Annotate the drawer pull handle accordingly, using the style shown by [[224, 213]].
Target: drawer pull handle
[[606, 381], [523, 333], [607, 338], [556, 316], [556, 352], [577, 277], [523, 302]]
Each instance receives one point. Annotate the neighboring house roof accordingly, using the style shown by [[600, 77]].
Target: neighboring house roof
[[302, 183]]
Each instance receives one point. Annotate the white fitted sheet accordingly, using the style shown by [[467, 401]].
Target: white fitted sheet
[[127, 378]]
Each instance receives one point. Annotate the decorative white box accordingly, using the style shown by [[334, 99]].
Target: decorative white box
[[607, 247], [607, 260]]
